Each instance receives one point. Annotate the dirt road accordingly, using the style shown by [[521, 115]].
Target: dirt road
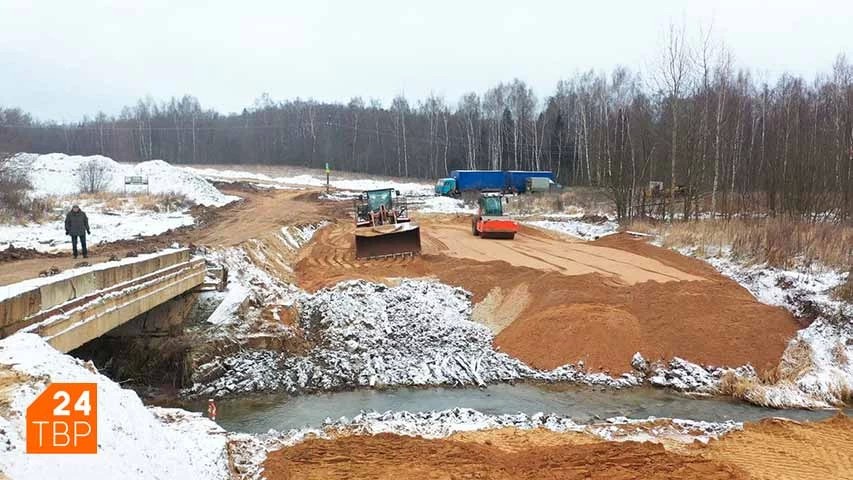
[[260, 215], [534, 249], [552, 300], [770, 449]]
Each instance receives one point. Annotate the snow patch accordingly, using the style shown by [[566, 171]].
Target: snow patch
[[408, 189], [575, 227], [56, 174], [133, 441], [445, 205], [106, 227]]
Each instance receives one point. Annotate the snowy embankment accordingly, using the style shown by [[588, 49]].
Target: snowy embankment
[[366, 334], [250, 450], [133, 441], [56, 174], [816, 369], [125, 217], [424, 198], [409, 189]]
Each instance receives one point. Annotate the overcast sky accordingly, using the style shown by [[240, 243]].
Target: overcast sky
[[62, 59]]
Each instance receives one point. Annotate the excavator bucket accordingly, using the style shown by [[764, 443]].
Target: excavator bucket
[[388, 240]]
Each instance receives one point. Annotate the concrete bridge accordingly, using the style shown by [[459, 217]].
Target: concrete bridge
[[73, 308]]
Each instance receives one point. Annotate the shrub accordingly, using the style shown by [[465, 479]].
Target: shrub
[[16, 203], [93, 176]]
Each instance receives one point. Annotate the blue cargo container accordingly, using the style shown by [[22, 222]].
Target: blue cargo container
[[467, 180], [487, 180], [516, 180]]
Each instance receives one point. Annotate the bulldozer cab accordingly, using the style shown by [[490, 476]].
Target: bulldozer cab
[[491, 206], [380, 207], [383, 227], [377, 198]]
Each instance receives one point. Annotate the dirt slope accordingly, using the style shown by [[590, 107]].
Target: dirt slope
[[554, 301], [388, 456], [767, 450]]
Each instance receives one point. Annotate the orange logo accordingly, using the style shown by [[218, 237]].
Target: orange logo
[[64, 419]]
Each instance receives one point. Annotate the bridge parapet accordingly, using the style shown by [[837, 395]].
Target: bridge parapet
[[79, 305]]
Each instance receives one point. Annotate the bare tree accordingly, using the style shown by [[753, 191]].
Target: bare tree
[[673, 77], [723, 75], [93, 176]]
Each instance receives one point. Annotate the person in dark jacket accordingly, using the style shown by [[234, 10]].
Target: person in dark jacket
[[77, 225]]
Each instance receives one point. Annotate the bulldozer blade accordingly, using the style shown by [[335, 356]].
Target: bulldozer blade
[[388, 240]]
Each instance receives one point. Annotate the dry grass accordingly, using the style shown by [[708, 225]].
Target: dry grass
[[845, 291], [164, 202], [839, 354], [571, 200], [537, 203], [796, 361], [16, 204], [778, 242], [28, 210]]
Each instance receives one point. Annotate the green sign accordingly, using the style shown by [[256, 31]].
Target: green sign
[[327, 168]]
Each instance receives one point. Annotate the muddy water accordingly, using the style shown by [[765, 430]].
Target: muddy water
[[261, 413]]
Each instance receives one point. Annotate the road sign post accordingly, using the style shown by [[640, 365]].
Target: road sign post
[[328, 170]]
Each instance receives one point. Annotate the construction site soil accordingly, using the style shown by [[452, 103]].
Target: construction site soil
[[553, 300], [770, 449], [550, 299]]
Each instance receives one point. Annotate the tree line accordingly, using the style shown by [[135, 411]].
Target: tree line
[[720, 141]]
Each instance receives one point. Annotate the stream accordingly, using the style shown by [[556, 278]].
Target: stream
[[260, 413]]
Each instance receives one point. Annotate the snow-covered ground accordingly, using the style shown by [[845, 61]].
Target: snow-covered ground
[[576, 226], [436, 204], [409, 189], [133, 441], [55, 174], [130, 222]]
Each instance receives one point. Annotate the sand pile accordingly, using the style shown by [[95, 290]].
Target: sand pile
[[601, 313]]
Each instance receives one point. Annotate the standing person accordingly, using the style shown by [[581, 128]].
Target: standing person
[[77, 225]]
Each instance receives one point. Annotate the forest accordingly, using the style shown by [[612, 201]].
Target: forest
[[725, 141]]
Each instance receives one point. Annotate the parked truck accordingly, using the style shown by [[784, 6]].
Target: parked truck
[[541, 185], [516, 180], [507, 181]]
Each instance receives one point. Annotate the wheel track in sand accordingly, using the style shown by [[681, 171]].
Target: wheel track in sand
[[782, 450]]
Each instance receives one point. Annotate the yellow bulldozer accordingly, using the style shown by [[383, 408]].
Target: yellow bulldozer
[[383, 227]]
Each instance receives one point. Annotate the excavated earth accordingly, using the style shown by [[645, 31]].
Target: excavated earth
[[553, 300], [549, 299], [767, 450]]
